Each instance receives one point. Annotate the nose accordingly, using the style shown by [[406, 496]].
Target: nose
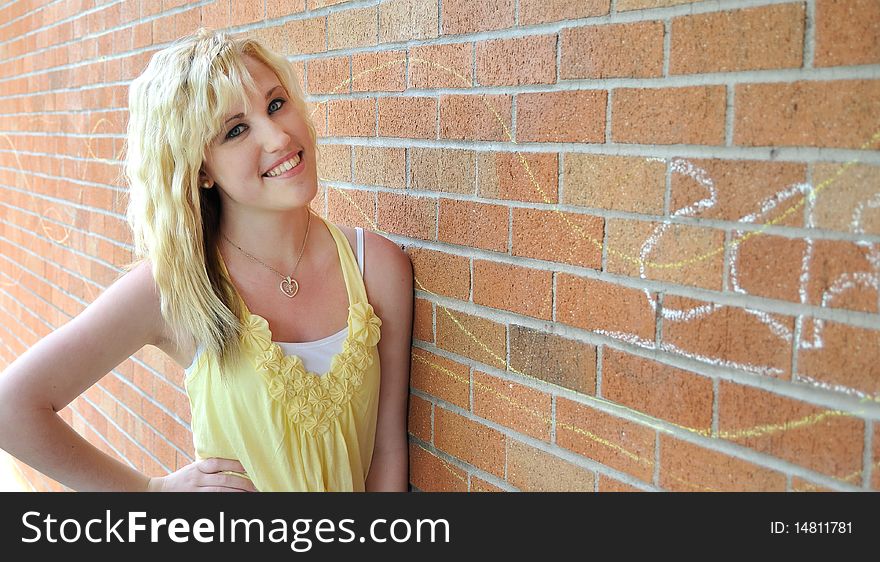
[[275, 137]]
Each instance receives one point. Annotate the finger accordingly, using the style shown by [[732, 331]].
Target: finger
[[231, 481], [217, 489], [217, 464]]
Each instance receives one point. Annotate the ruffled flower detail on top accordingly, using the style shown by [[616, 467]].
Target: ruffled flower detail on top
[[310, 401]]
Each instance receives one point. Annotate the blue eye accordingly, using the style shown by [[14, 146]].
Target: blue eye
[[281, 101]]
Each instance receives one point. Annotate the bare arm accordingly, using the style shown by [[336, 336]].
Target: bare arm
[[60, 367], [391, 289]]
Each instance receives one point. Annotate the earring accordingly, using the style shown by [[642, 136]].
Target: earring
[[206, 184]]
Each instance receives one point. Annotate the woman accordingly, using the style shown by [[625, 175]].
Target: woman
[[297, 380]]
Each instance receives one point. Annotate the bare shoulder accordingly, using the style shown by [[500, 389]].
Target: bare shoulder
[[388, 272]]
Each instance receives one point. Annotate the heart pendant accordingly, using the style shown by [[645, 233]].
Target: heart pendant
[[289, 287]]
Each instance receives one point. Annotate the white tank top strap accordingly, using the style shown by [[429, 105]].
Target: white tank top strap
[[360, 248]]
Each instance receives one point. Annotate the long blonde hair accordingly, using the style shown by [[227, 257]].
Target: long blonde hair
[[176, 106]]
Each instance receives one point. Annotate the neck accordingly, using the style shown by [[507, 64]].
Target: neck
[[276, 240]]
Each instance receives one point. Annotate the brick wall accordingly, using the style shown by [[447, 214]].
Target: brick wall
[[645, 232]]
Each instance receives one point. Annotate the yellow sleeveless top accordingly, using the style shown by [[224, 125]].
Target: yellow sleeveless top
[[291, 429]]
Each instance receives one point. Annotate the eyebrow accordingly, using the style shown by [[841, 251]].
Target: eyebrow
[[269, 93]]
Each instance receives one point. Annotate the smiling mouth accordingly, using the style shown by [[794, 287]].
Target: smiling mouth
[[285, 167]]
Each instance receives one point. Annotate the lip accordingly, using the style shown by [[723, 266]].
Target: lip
[[283, 159], [291, 172]]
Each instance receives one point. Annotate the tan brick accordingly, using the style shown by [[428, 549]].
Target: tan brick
[[246, 12], [329, 76], [756, 38], [352, 118], [729, 334], [380, 166], [622, 183], [281, 8], [482, 117], [767, 266], [845, 355], [315, 4], [419, 418], [512, 405], [801, 485], [318, 113], [443, 169], [513, 62], [405, 20], [510, 287], [533, 470], [556, 236], [305, 36], [684, 254], [628, 50], [844, 198], [741, 188], [626, 5], [351, 207], [463, 16], [471, 336], [834, 113], [519, 176], [532, 12], [477, 225], [469, 441], [608, 484], [547, 116], [441, 66], [379, 72], [659, 390], [847, 32], [480, 485], [563, 362], [442, 273], [430, 473], [792, 430], [334, 162], [408, 117], [415, 217], [355, 27], [603, 307], [423, 320], [689, 115], [686, 467], [441, 377], [612, 441]]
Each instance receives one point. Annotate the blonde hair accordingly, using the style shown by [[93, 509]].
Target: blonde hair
[[176, 106]]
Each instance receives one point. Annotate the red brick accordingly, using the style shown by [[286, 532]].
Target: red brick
[[628, 50], [519, 176], [686, 467], [729, 334], [351, 207], [843, 197], [373, 72], [477, 225], [510, 287], [684, 254], [512, 405], [469, 441], [305, 36], [756, 38], [551, 358], [480, 485], [533, 470], [557, 236], [419, 418], [841, 275], [608, 484], [690, 115], [625, 5], [441, 66], [408, 117], [423, 320], [513, 62], [741, 187], [351, 28], [375, 165], [334, 162], [415, 217], [801, 485], [352, 118], [612, 441], [622, 183], [471, 336], [441, 377], [329, 76], [875, 472], [475, 117], [443, 169], [603, 307], [789, 429], [405, 20], [463, 16], [544, 11], [767, 266], [281, 8], [837, 354], [847, 32], [834, 113], [430, 473], [659, 390], [547, 116], [441, 273]]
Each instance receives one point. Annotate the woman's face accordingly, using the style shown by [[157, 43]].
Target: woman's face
[[249, 146]]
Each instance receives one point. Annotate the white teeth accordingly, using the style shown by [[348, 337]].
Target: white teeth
[[283, 167]]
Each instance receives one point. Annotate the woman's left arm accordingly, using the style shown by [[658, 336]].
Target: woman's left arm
[[390, 288]]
